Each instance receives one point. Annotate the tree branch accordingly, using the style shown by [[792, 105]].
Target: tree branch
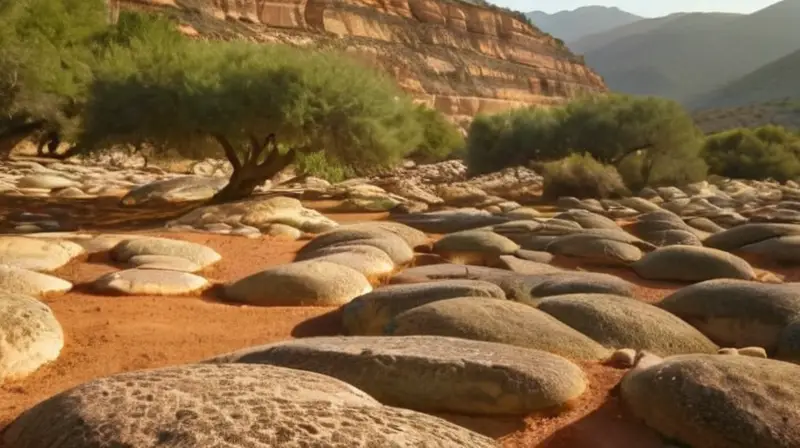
[[628, 152], [258, 147], [274, 153], [230, 152]]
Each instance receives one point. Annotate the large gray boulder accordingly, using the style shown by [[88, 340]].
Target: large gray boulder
[[620, 322], [22, 281], [395, 246], [740, 236], [785, 249], [692, 264], [595, 249], [30, 336], [175, 190], [150, 282], [500, 321], [433, 374], [474, 247], [37, 254], [522, 287], [368, 314], [198, 254], [737, 313], [368, 260], [262, 407], [587, 219], [307, 283], [718, 401], [413, 237]]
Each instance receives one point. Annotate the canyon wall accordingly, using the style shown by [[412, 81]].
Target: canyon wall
[[461, 58]]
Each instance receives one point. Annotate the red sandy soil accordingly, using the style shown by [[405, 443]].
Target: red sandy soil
[[107, 335]]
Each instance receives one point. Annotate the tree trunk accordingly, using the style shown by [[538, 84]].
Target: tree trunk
[[112, 8], [10, 138], [250, 173]]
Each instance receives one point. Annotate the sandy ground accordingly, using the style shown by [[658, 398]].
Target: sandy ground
[[107, 335]]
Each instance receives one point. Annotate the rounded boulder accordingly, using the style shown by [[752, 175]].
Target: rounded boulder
[[718, 401], [501, 321], [692, 264], [262, 407], [431, 373], [620, 322], [306, 283], [369, 314], [30, 335]]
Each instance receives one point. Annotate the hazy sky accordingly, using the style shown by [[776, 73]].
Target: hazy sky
[[646, 8]]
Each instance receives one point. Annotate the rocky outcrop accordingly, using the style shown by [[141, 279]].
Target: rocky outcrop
[[461, 58]]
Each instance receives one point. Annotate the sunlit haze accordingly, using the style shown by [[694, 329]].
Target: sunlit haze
[[648, 8]]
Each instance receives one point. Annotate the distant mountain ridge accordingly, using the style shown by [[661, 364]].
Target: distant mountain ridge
[[570, 26], [686, 56], [774, 81]]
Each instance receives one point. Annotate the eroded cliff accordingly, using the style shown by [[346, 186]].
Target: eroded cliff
[[461, 58]]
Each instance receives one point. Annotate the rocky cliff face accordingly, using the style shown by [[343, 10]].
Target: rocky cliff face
[[461, 58]]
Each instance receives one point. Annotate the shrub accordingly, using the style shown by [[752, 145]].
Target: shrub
[[766, 152], [45, 64], [611, 128], [580, 176], [260, 105], [441, 139]]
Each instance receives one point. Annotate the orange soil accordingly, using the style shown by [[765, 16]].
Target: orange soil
[[107, 335]]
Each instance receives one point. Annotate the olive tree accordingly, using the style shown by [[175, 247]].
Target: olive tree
[[45, 65], [259, 105], [654, 139]]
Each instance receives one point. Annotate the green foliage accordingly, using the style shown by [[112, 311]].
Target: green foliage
[[46, 58], [581, 176], [766, 152], [658, 134], [441, 139], [190, 95], [319, 165]]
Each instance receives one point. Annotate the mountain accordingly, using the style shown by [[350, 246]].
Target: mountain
[[688, 55], [774, 81], [570, 26], [459, 57], [785, 112]]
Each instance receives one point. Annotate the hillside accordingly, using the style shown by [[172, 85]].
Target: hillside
[[461, 58], [780, 79], [573, 25], [784, 113], [684, 56]]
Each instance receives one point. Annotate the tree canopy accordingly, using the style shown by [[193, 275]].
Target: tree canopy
[[259, 105], [765, 152], [654, 138]]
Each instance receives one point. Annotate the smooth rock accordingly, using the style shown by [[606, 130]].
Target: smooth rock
[[150, 282], [306, 283], [501, 321], [262, 407], [22, 281], [620, 322], [692, 264], [370, 313], [434, 374], [30, 336], [718, 401], [197, 253]]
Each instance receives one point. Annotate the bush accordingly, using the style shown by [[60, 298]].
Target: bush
[[441, 139], [260, 105], [581, 176], [611, 128], [767, 152], [45, 64]]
